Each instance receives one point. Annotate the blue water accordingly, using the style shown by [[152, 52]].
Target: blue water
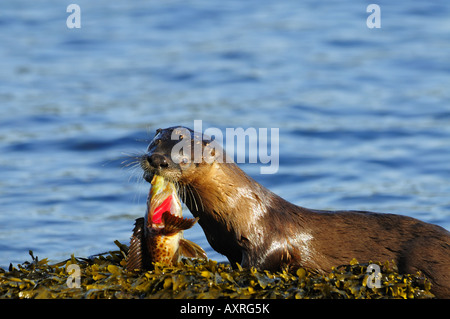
[[363, 114]]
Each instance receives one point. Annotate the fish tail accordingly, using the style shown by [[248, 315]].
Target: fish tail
[[137, 258]]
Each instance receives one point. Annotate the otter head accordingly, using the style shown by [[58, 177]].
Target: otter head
[[179, 154]]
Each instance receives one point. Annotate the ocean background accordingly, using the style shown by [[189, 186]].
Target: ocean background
[[363, 114]]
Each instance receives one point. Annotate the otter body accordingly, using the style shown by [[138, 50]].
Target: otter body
[[253, 226]]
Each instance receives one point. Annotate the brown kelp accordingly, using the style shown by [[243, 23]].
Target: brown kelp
[[105, 276]]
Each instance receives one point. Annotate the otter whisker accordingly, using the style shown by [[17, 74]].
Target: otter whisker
[[131, 160], [187, 196], [182, 192], [133, 164], [195, 197], [179, 190], [198, 196]]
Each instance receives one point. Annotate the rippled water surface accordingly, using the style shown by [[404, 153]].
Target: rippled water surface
[[363, 114]]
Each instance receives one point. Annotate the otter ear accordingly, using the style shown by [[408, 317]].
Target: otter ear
[[158, 131], [206, 142], [212, 152]]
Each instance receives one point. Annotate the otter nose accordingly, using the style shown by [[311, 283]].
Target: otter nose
[[157, 161]]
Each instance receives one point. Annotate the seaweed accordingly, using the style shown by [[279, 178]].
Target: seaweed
[[105, 276]]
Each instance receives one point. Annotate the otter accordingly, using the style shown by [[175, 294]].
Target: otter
[[255, 227]]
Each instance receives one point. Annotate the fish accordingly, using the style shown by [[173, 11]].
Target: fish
[[158, 236]]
